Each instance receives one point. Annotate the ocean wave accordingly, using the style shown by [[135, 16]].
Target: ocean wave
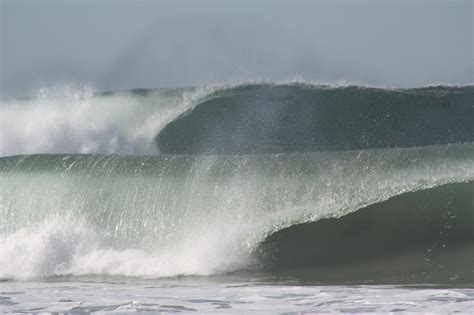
[[158, 216], [300, 117], [238, 118]]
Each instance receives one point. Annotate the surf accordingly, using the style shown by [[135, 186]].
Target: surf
[[171, 215], [241, 118], [71, 120]]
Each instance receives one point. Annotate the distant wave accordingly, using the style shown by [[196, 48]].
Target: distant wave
[[169, 215], [252, 117], [277, 118]]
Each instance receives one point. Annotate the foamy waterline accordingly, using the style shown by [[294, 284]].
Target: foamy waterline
[[69, 246]]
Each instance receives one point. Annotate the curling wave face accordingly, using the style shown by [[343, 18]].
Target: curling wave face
[[180, 215]]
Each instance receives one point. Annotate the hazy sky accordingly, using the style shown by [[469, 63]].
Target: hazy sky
[[113, 45]]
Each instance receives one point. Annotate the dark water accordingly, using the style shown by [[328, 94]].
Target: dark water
[[417, 237], [299, 118]]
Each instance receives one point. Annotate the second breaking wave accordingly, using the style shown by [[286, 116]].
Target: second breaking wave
[[235, 119]]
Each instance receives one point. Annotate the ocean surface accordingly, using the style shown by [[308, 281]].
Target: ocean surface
[[262, 197]]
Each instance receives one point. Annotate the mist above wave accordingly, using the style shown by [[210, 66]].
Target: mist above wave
[[67, 120]]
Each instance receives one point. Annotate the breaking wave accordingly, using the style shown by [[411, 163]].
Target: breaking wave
[[235, 119], [169, 215], [337, 183], [66, 120]]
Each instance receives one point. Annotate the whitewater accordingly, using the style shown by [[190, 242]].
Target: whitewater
[[254, 196]]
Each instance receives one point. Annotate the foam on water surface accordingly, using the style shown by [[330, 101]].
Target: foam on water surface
[[227, 296]]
